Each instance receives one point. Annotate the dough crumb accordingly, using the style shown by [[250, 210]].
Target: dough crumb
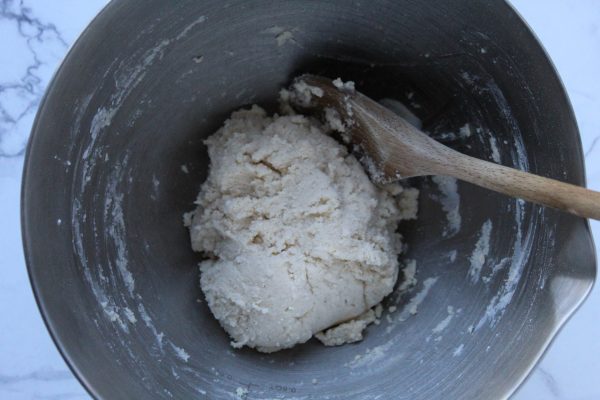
[[333, 119], [240, 392], [346, 86], [302, 93], [408, 203], [465, 131], [409, 271], [284, 37], [348, 332]]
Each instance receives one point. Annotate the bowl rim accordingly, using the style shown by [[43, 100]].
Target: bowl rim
[[561, 322], [27, 252]]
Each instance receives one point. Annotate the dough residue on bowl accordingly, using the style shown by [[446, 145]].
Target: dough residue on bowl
[[298, 240]]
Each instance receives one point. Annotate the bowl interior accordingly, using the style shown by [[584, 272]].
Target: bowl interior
[[116, 157]]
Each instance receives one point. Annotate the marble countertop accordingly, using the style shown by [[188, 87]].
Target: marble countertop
[[36, 34]]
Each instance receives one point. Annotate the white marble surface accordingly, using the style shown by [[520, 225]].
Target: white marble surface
[[36, 34]]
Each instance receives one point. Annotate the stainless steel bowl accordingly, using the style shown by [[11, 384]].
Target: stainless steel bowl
[[104, 192]]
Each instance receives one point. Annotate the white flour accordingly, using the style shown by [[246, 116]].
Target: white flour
[[450, 202], [481, 251], [443, 324]]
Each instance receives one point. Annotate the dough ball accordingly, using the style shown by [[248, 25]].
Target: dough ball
[[297, 238]]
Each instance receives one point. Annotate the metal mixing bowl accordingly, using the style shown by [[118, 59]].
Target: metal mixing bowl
[[105, 187]]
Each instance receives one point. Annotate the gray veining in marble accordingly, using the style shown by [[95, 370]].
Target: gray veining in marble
[[37, 46]]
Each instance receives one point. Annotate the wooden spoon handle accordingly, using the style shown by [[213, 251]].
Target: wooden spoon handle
[[548, 192]]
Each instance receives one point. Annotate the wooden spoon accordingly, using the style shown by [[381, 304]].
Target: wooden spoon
[[399, 150]]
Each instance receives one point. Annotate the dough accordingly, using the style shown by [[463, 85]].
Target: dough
[[351, 331], [297, 238]]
